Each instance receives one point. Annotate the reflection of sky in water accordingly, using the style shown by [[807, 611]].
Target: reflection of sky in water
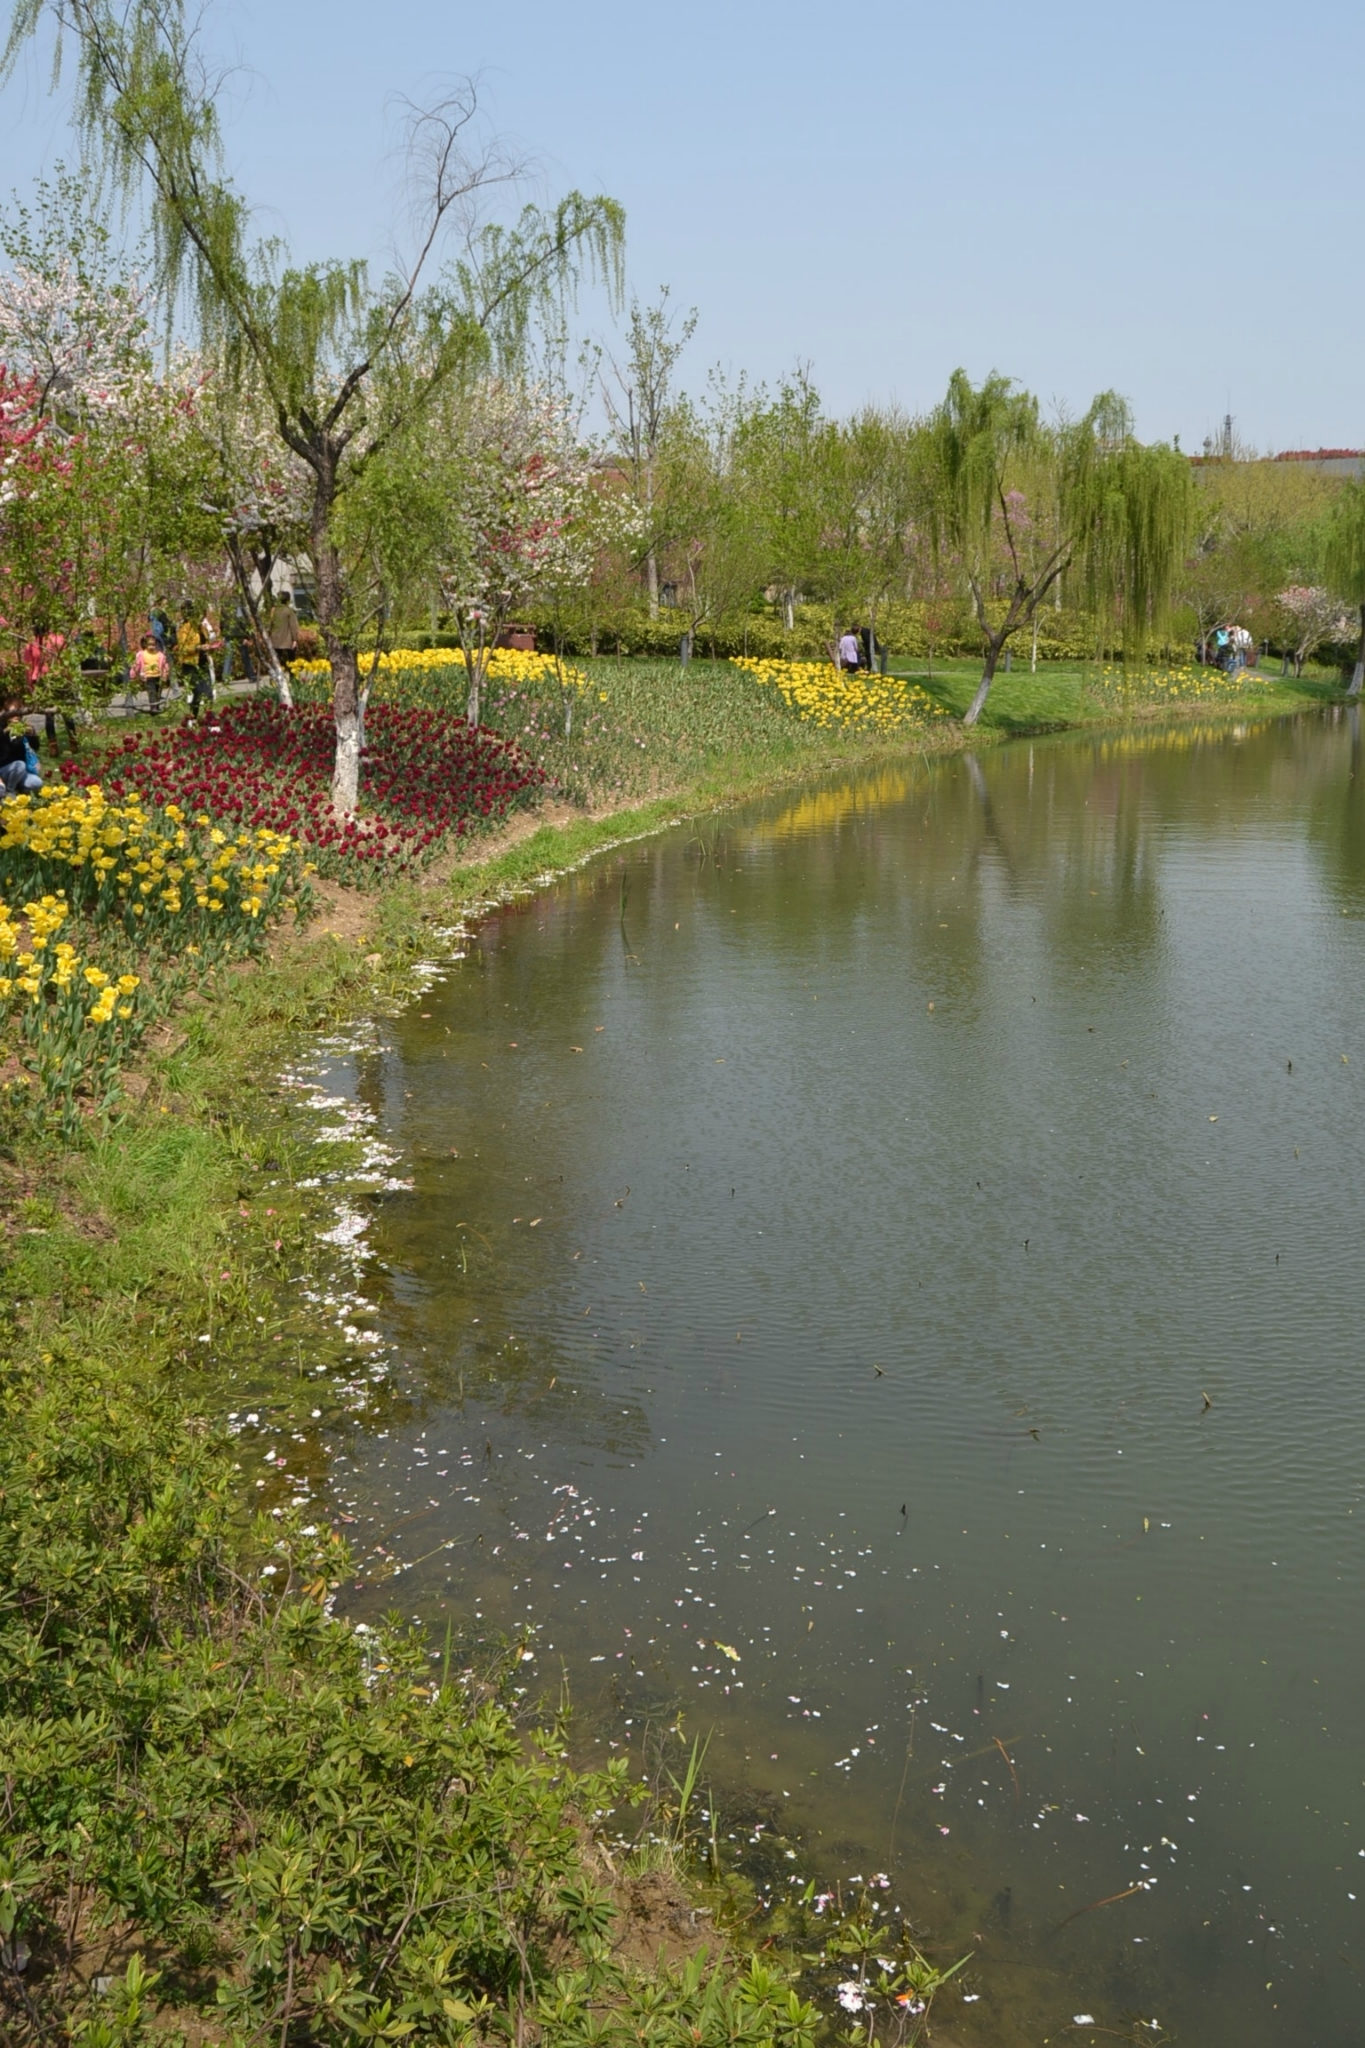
[[827, 1226]]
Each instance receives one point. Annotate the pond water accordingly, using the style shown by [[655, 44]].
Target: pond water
[[908, 1233]]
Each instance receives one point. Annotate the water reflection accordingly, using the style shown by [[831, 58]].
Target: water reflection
[[875, 1276]]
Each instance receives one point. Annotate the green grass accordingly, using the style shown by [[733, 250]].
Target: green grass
[[1060, 697]]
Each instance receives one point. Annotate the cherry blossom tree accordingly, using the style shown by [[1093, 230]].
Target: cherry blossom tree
[[1308, 615], [73, 317], [520, 496]]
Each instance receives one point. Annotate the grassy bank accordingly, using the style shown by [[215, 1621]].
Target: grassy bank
[[1059, 698], [228, 1816]]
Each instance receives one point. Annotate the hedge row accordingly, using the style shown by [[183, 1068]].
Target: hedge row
[[911, 631]]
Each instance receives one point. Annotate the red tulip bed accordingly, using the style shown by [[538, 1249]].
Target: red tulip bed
[[424, 777]]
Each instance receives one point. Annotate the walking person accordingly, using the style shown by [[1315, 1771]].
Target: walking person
[[187, 650], [848, 651], [237, 649], [284, 628], [149, 670], [210, 645]]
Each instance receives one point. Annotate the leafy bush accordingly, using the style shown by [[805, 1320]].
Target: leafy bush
[[912, 631]]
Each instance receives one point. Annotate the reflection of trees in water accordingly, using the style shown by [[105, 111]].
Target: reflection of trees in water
[[677, 944], [1337, 814]]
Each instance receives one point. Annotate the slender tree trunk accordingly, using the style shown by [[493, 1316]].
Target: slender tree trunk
[[1019, 608], [474, 645], [265, 653], [340, 649], [983, 688], [1033, 658], [1358, 679], [652, 558]]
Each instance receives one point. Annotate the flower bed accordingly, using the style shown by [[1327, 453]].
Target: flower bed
[[826, 696], [424, 777], [1174, 683], [144, 902], [409, 664]]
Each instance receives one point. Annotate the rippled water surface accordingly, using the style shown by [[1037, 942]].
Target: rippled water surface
[[909, 1233]]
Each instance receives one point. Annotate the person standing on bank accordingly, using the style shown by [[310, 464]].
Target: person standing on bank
[[848, 651], [284, 628], [188, 652]]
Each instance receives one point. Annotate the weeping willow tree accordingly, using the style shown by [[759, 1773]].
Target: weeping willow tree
[[1014, 503], [1344, 563], [346, 365]]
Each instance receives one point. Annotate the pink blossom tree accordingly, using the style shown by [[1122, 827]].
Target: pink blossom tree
[[1307, 615]]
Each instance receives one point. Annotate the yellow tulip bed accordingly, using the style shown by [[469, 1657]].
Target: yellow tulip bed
[[1175, 683], [827, 697], [505, 665], [145, 901]]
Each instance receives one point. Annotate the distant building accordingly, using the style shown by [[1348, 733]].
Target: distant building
[[1329, 461]]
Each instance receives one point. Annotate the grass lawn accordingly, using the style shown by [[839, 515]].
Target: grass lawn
[[1059, 697]]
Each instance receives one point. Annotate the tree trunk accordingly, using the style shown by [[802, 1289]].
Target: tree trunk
[[983, 688], [340, 649], [1358, 679], [346, 766], [265, 652], [1033, 658], [652, 558]]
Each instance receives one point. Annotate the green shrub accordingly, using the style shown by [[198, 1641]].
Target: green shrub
[[912, 631]]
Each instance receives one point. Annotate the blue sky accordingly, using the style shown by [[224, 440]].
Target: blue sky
[[1164, 199]]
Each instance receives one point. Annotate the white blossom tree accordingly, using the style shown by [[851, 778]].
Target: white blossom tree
[[517, 513]]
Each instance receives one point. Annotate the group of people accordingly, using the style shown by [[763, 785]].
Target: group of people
[[857, 647], [1228, 647], [195, 641], [190, 651]]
